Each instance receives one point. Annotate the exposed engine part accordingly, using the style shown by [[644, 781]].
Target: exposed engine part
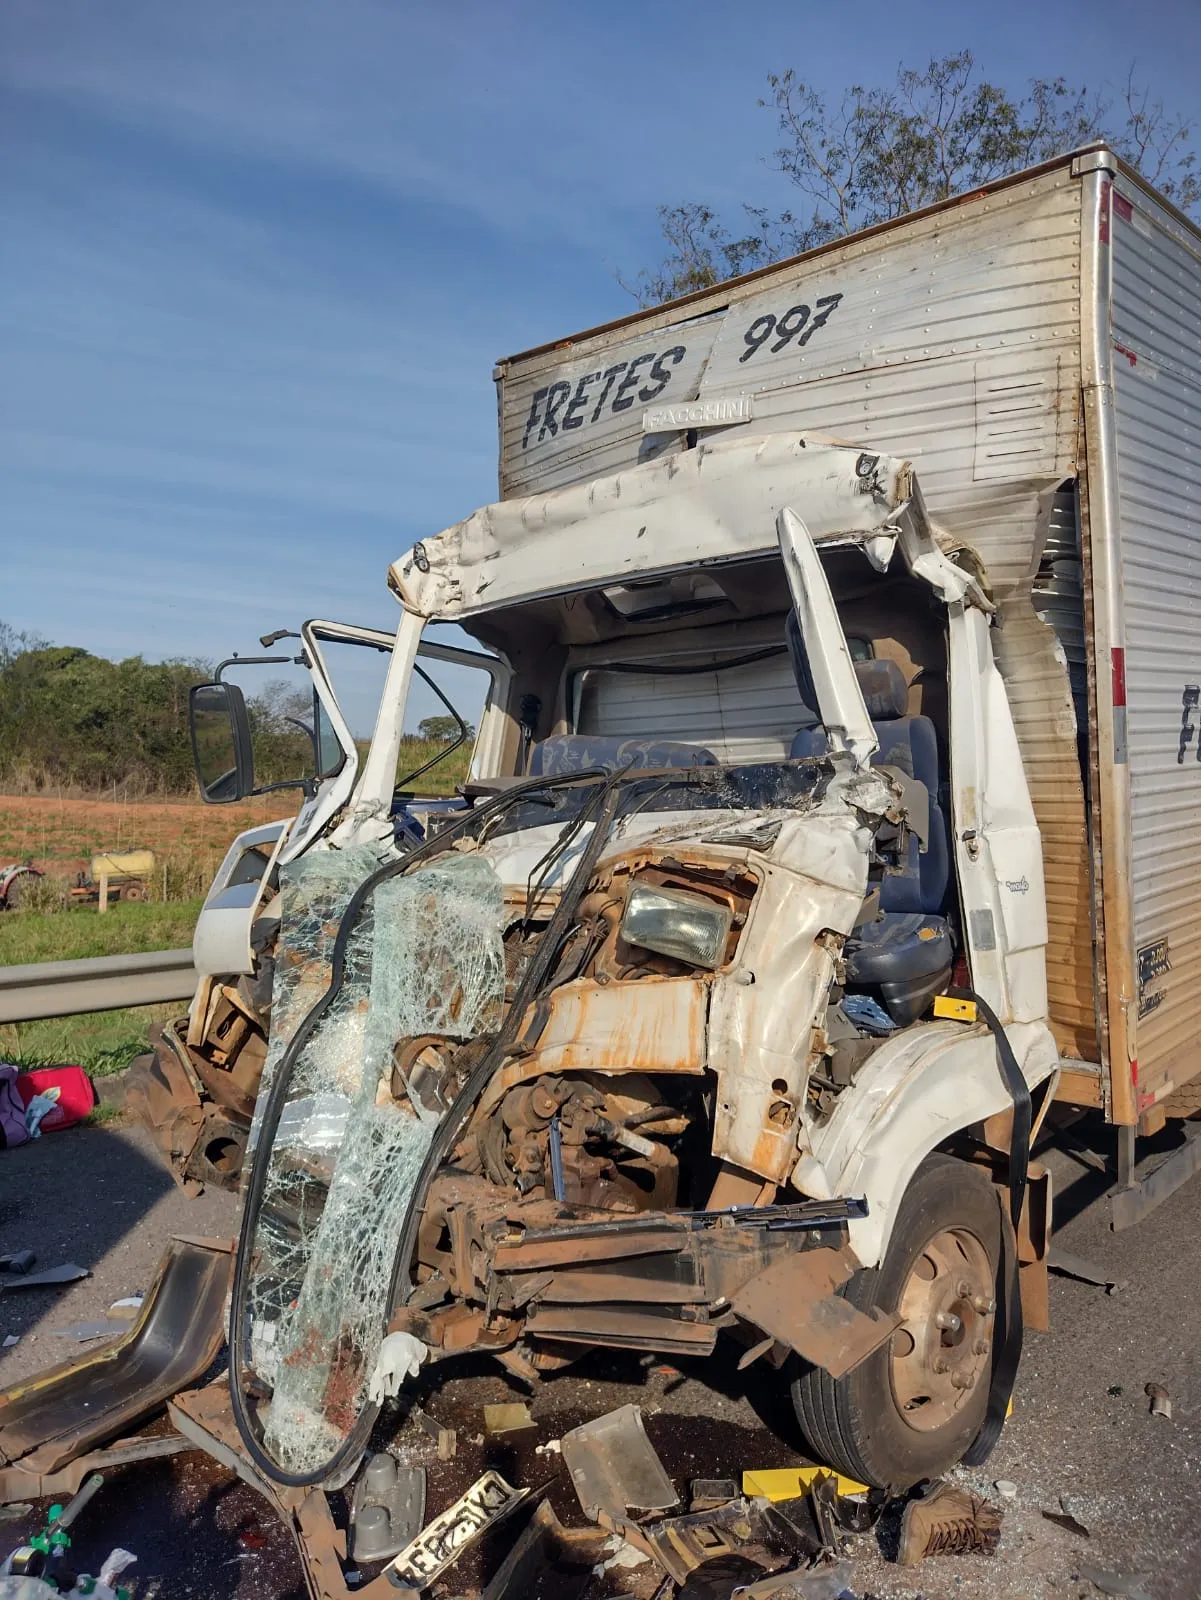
[[564, 1139]]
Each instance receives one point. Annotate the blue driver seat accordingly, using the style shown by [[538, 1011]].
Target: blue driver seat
[[577, 752], [907, 953]]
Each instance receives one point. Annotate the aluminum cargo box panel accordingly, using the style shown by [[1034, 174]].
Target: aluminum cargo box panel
[[951, 338], [1157, 381]]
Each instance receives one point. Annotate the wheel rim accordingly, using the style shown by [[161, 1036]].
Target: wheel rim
[[940, 1353]]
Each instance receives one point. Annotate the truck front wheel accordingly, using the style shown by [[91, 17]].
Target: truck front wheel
[[911, 1410]]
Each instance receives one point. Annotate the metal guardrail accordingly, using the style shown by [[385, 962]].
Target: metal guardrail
[[104, 983]]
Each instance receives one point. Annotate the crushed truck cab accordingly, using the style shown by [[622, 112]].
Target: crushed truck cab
[[640, 1048]]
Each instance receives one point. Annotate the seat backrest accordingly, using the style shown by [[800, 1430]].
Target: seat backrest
[[576, 752], [909, 743]]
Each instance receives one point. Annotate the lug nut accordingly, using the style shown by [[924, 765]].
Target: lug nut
[[961, 1380], [983, 1305], [964, 1289], [948, 1322], [980, 1348], [939, 1365]]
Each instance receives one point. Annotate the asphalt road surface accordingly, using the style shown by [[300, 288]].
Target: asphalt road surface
[[1081, 1429]]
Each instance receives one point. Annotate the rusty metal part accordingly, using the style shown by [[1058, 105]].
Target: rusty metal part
[[446, 1440], [590, 1026], [795, 1300], [198, 1110], [680, 1544], [622, 1328], [660, 1281], [614, 1467], [55, 1416], [734, 1187], [204, 1417], [943, 1350], [23, 1483]]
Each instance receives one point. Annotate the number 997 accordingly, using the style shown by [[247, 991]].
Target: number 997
[[794, 324], [785, 330]]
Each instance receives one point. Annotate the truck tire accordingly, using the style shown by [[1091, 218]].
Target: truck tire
[[911, 1410]]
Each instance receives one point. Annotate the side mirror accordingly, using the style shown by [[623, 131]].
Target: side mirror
[[221, 746]]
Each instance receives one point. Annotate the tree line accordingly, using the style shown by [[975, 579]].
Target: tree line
[[73, 720]]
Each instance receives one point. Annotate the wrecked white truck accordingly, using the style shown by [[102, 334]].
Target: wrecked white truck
[[834, 818], [639, 1048]]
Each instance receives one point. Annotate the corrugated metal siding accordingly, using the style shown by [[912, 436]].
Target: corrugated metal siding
[[1157, 380], [956, 344], [954, 340], [1053, 714], [747, 713]]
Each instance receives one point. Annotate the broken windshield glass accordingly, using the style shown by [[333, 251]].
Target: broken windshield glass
[[423, 959]]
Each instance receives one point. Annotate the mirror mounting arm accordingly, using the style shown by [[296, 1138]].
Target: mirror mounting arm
[[258, 661]]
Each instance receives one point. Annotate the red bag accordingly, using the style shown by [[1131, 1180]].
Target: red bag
[[77, 1094]]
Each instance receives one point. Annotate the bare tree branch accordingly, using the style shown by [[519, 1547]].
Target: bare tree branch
[[885, 151]]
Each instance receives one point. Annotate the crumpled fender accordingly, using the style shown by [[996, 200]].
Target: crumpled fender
[[913, 1093]]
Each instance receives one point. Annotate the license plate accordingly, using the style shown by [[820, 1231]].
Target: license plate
[[444, 1539]]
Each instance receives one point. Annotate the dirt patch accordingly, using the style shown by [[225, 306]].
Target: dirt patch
[[60, 834]]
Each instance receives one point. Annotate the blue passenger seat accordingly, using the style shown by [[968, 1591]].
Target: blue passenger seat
[[907, 953], [576, 752]]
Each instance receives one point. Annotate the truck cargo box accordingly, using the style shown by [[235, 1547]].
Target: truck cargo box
[[1035, 349]]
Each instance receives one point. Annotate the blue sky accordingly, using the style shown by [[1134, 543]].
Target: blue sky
[[257, 259]]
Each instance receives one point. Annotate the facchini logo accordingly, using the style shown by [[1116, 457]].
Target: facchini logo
[[720, 412]]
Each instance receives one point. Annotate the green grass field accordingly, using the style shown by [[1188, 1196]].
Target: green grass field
[[101, 1041], [27, 936]]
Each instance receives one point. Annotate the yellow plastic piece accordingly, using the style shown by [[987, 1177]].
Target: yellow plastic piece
[[958, 1010], [787, 1483]]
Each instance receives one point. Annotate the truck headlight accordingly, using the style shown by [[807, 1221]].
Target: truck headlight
[[674, 922]]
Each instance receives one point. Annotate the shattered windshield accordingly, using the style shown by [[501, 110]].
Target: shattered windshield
[[330, 1194]]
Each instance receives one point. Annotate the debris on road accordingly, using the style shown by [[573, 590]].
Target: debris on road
[[51, 1278], [614, 1467], [18, 1261], [704, 1493], [786, 1483], [446, 1440], [1065, 1519], [1006, 1488], [445, 1539], [512, 1418], [1133, 1587], [947, 1521], [547, 1557], [388, 1508], [81, 1332], [1161, 1400], [1074, 1266], [42, 1556]]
